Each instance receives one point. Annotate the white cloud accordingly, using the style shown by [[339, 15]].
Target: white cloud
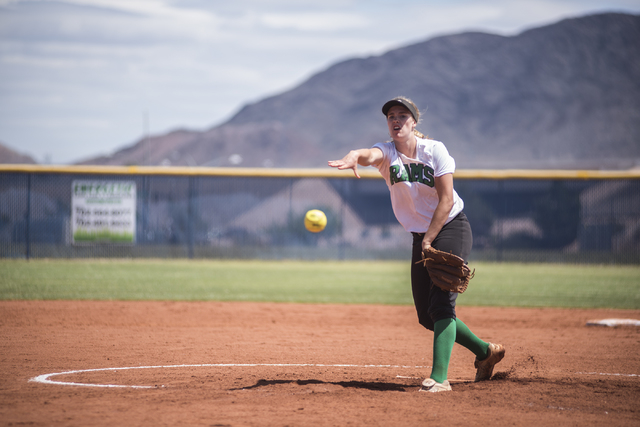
[[316, 21]]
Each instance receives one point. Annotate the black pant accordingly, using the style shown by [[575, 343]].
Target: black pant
[[432, 303]]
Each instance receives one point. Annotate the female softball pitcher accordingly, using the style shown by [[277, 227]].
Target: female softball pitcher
[[419, 174]]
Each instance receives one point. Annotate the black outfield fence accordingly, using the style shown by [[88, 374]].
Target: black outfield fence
[[517, 215]]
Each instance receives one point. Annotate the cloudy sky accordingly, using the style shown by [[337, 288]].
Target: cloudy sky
[[79, 78]]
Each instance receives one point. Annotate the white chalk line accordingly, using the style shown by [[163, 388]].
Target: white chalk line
[[46, 378], [612, 375]]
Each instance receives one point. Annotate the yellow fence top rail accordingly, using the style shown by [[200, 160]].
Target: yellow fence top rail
[[369, 173]]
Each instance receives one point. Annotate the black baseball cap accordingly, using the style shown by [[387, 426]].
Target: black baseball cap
[[402, 102]]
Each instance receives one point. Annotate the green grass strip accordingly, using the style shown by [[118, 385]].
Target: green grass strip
[[555, 285], [357, 282]]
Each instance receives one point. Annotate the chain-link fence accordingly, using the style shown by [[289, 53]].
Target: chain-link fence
[[232, 213]]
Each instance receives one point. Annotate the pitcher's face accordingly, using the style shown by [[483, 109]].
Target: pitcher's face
[[401, 123]]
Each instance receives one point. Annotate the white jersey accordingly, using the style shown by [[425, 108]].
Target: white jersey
[[411, 182]]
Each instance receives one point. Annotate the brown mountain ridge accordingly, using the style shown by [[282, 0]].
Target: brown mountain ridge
[[565, 95]]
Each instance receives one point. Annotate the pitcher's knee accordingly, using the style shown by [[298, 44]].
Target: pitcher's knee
[[441, 314]]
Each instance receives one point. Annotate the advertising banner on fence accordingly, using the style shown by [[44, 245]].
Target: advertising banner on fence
[[103, 211]]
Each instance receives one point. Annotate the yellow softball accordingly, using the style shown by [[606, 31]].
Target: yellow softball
[[315, 220]]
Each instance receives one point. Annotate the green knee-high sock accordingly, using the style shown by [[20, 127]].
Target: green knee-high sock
[[444, 336], [469, 340]]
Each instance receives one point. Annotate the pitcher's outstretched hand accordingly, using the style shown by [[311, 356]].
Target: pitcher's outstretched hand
[[350, 161]]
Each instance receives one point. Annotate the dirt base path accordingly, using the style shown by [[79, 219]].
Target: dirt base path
[[252, 364]]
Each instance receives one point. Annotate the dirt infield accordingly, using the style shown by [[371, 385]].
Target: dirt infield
[[254, 364]]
